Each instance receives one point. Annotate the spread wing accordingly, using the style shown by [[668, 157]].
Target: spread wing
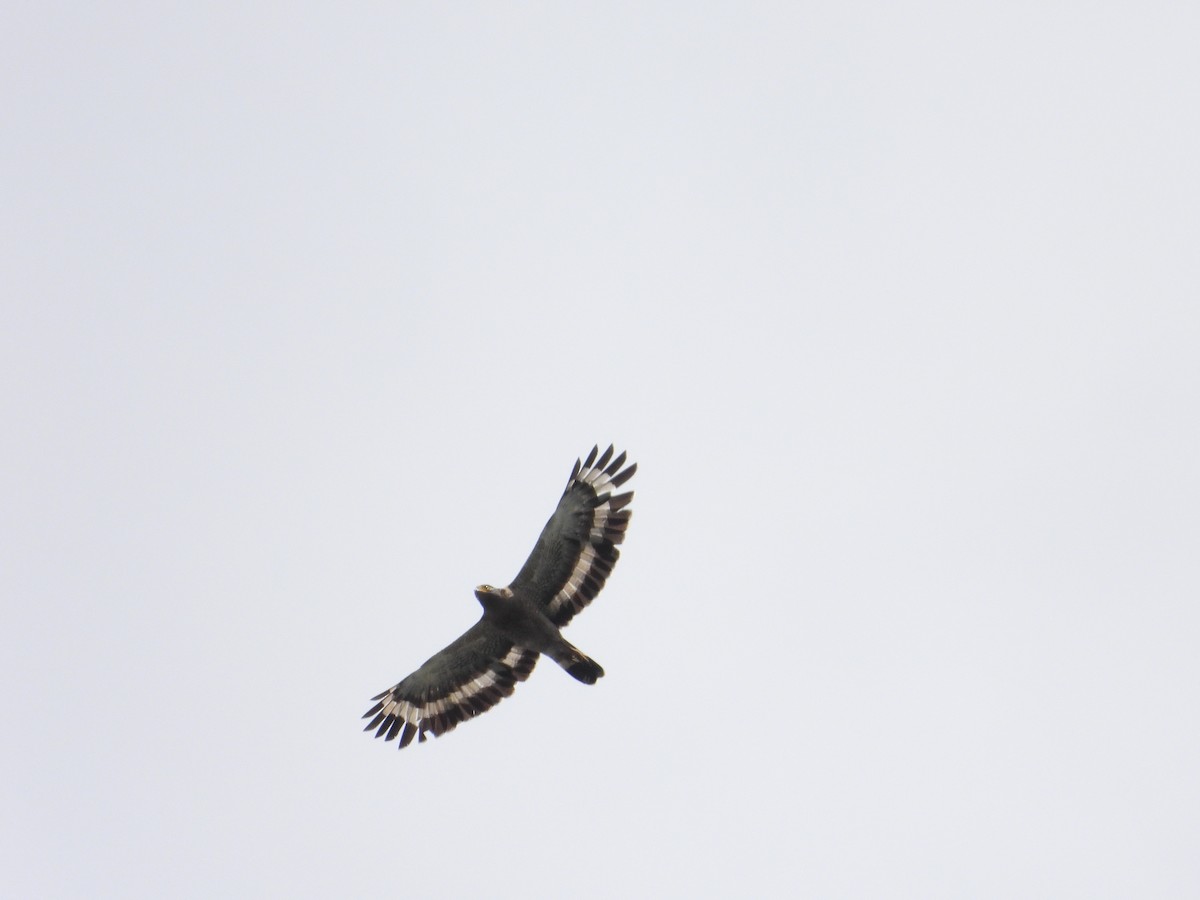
[[467, 678], [577, 549]]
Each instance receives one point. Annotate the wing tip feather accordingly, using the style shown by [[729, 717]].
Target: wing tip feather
[[621, 477]]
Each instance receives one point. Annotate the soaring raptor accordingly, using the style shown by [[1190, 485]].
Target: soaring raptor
[[573, 558]]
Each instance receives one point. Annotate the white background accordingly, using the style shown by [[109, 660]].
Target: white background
[[307, 310]]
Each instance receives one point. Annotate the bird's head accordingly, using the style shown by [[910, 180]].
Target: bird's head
[[489, 596]]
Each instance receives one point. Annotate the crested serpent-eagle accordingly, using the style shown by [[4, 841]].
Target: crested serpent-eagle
[[570, 563]]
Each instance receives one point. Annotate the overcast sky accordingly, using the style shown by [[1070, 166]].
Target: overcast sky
[[308, 310]]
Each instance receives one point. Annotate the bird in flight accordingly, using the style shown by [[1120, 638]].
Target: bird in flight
[[573, 558]]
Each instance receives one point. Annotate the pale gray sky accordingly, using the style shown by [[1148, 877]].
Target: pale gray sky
[[307, 312]]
